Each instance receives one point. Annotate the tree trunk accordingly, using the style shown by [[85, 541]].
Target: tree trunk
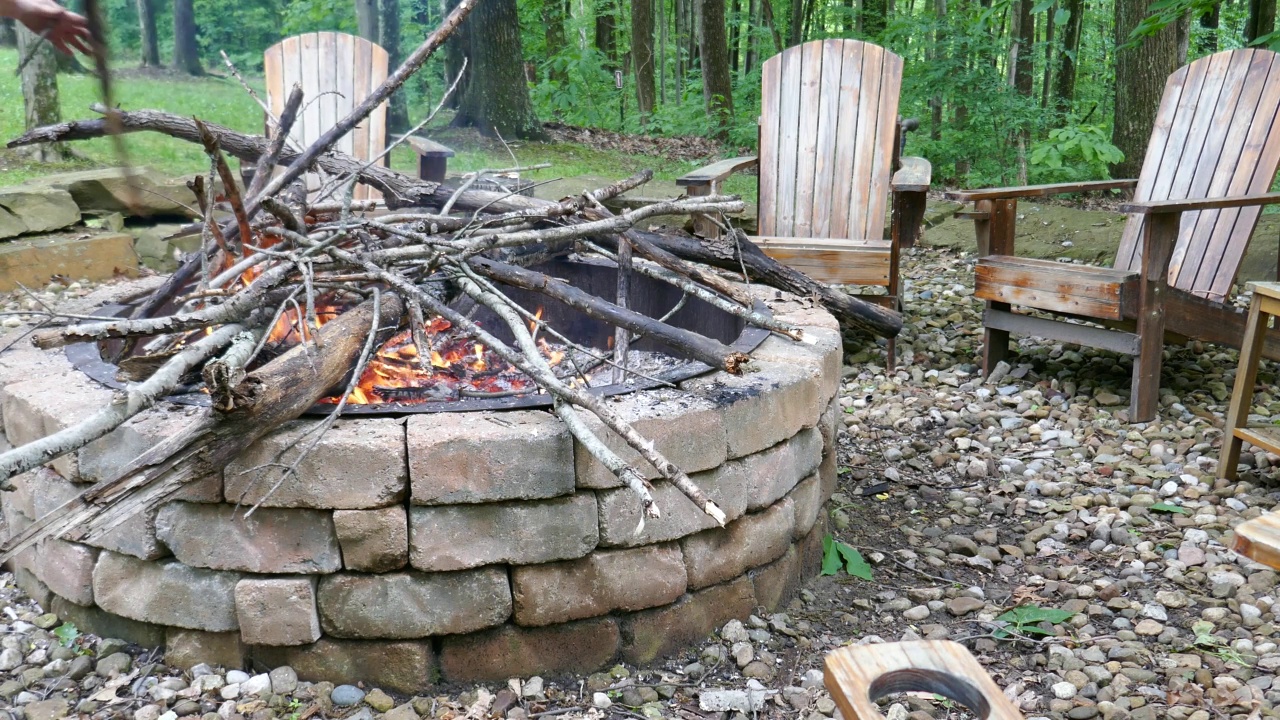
[[1209, 38], [735, 35], [149, 45], [8, 32], [367, 19], [606, 22], [662, 51], [1024, 32], [1140, 76], [497, 98], [1261, 20], [874, 18], [755, 22], [456, 50], [553, 14], [933, 52], [40, 91], [1064, 82], [797, 22], [642, 56], [389, 29], [766, 15], [717, 85], [186, 53], [1047, 83]]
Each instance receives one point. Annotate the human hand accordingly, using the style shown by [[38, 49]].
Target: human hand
[[64, 29]]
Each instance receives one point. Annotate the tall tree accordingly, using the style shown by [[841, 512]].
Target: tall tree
[[186, 53], [367, 19], [456, 50], [797, 22], [1064, 80], [755, 23], [1209, 27], [497, 98], [8, 33], [717, 84], [606, 27], [1050, 27], [553, 15], [149, 45], [642, 55], [1024, 34], [1261, 21], [389, 39], [874, 18], [40, 90], [1140, 74]]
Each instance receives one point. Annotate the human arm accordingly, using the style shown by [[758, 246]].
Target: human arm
[[66, 30]]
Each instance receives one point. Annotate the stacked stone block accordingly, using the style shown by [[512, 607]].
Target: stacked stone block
[[462, 546]]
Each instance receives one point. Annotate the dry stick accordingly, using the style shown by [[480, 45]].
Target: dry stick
[[229, 186], [224, 373], [690, 287], [361, 111], [550, 382], [262, 171], [269, 397], [621, 336], [254, 94], [420, 342], [133, 400], [691, 344]]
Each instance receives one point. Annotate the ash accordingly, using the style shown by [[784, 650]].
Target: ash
[[640, 364]]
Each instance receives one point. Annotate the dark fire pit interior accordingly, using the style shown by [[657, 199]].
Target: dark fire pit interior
[[595, 276]]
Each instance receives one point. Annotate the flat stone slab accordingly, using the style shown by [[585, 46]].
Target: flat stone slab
[[35, 209], [35, 262], [146, 192]]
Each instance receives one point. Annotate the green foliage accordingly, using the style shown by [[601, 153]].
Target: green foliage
[[1169, 508], [1025, 620], [66, 634], [836, 554], [1074, 152]]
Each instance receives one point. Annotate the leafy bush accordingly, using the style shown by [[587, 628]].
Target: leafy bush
[[1074, 152]]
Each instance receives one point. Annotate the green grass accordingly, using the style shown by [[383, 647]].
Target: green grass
[[224, 102]]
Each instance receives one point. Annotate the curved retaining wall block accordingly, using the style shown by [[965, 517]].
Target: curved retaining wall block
[[468, 546]]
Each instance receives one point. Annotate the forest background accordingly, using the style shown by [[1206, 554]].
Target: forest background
[[1007, 91]]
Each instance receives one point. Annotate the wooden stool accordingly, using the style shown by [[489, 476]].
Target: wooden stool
[[1266, 303], [857, 675]]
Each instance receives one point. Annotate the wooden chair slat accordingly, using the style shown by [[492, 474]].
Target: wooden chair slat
[[788, 120], [847, 113], [806, 154], [882, 163], [828, 137], [865, 153], [345, 99], [770, 107]]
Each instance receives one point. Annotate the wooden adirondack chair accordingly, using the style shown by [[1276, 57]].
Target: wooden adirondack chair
[[1213, 154], [337, 71], [830, 140]]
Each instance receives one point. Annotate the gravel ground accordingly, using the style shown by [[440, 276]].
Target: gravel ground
[[968, 498]]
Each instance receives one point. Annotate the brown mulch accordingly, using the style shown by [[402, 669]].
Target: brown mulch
[[675, 148]]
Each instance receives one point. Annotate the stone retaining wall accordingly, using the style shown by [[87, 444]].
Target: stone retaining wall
[[462, 546]]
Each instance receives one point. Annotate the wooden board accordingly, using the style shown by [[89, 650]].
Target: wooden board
[[832, 260], [1259, 538], [1009, 322], [858, 675], [1037, 190], [713, 173], [1081, 290]]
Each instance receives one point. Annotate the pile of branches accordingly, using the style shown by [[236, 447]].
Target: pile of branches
[[278, 253]]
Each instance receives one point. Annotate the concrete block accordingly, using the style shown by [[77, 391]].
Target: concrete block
[[772, 473], [278, 611], [67, 569], [373, 540], [413, 605], [273, 540], [717, 556], [456, 537], [689, 431], [358, 464], [764, 407], [93, 619], [807, 500], [778, 582], [651, 634], [510, 651], [456, 458], [726, 486], [166, 593], [188, 648], [604, 581], [405, 667]]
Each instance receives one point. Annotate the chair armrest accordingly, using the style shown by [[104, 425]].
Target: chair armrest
[[1177, 206], [715, 172], [428, 148], [913, 175], [1037, 190]]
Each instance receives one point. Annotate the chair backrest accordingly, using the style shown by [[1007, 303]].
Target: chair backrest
[[828, 118], [1217, 134], [337, 71]]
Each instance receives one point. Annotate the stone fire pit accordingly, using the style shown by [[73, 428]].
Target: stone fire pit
[[457, 546]]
